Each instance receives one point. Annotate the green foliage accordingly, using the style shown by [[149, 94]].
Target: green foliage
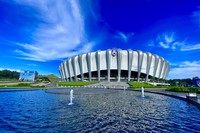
[[183, 89], [7, 74], [49, 78], [53, 78], [43, 78], [79, 83], [140, 84], [38, 86], [182, 82], [17, 85], [23, 84]]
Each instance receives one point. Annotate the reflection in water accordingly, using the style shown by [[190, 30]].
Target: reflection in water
[[37, 111]]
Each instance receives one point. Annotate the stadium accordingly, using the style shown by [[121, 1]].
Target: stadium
[[114, 65]]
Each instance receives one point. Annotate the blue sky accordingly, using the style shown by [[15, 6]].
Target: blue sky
[[39, 35]]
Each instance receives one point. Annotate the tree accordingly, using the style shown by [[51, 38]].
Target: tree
[[7, 74], [194, 78]]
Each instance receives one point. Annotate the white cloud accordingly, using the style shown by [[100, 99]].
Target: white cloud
[[190, 47], [190, 64], [60, 35], [124, 37], [170, 41], [32, 65], [50, 55], [164, 45], [10, 69], [169, 38], [165, 40], [185, 69]]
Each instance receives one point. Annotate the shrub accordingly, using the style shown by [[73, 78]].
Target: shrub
[[140, 84], [23, 84], [183, 89], [79, 83]]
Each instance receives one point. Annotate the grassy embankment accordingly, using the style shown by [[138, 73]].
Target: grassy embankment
[[135, 85], [39, 84], [79, 83], [20, 85]]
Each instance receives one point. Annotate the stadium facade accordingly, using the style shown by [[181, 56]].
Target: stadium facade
[[114, 65]]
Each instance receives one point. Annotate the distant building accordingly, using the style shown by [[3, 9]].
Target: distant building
[[26, 75], [197, 82]]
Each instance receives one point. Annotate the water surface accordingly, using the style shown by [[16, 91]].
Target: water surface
[[37, 111]]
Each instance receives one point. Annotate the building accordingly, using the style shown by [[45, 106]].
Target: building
[[114, 65], [26, 75]]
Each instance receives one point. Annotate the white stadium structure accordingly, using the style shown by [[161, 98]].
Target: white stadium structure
[[114, 65]]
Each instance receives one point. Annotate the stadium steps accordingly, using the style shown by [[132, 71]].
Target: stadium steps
[[117, 85]]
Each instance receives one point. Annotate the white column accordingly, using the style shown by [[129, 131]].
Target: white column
[[98, 64], [156, 65], [74, 68], [168, 69], [108, 54], [60, 70], [119, 58], [140, 60], [164, 73], [130, 61], [81, 66], [89, 65], [161, 67], [149, 60], [63, 71], [70, 77], [66, 72]]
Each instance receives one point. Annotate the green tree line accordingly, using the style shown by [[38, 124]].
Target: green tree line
[[182, 82], [7, 74]]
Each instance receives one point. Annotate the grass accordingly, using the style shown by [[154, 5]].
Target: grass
[[169, 88], [8, 83], [21, 85], [79, 83], [145, 85], [40, 85]]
